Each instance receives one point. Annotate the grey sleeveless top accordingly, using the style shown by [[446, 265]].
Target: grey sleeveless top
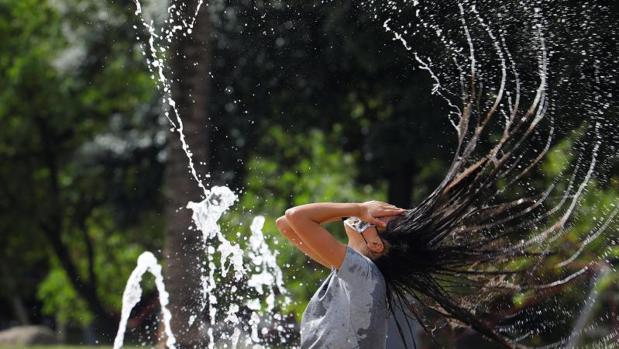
[[349, 310]]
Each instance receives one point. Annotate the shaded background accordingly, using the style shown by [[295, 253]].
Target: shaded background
[[287, 104]]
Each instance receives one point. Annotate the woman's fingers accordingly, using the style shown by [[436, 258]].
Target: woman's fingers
[[375, 209], [377, 222], [393, 211]]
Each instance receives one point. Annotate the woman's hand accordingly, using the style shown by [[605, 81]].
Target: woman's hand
[[370, 211]]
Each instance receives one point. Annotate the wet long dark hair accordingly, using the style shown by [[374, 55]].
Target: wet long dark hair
[[494, 227], [449, 256]]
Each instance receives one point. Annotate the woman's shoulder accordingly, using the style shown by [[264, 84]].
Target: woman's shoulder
[[360, 271], [366, 261], [355, 262]]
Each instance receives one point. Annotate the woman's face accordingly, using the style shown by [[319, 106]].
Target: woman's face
[[372, 236]]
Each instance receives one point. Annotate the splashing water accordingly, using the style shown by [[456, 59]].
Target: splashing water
[[263, 275]]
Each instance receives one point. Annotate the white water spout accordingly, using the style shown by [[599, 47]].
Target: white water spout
[[133, 292]]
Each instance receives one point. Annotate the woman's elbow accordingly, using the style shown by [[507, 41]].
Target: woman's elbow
[[290, 213], [281, 223], [284, 227]]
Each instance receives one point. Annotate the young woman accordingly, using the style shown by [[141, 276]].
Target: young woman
[[394, 259], [448, 261], [350, 309]]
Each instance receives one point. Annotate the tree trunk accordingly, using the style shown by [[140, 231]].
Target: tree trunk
[[53, 226], [11, 288], [183, 249]]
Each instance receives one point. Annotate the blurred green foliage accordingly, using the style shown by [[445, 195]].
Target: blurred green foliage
[[70, 201]]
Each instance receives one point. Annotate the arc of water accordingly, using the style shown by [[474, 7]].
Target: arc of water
[[157, 63], [133, 292], [423, 65]]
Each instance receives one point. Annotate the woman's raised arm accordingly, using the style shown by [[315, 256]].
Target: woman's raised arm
[[305, 220], [290, 234]]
